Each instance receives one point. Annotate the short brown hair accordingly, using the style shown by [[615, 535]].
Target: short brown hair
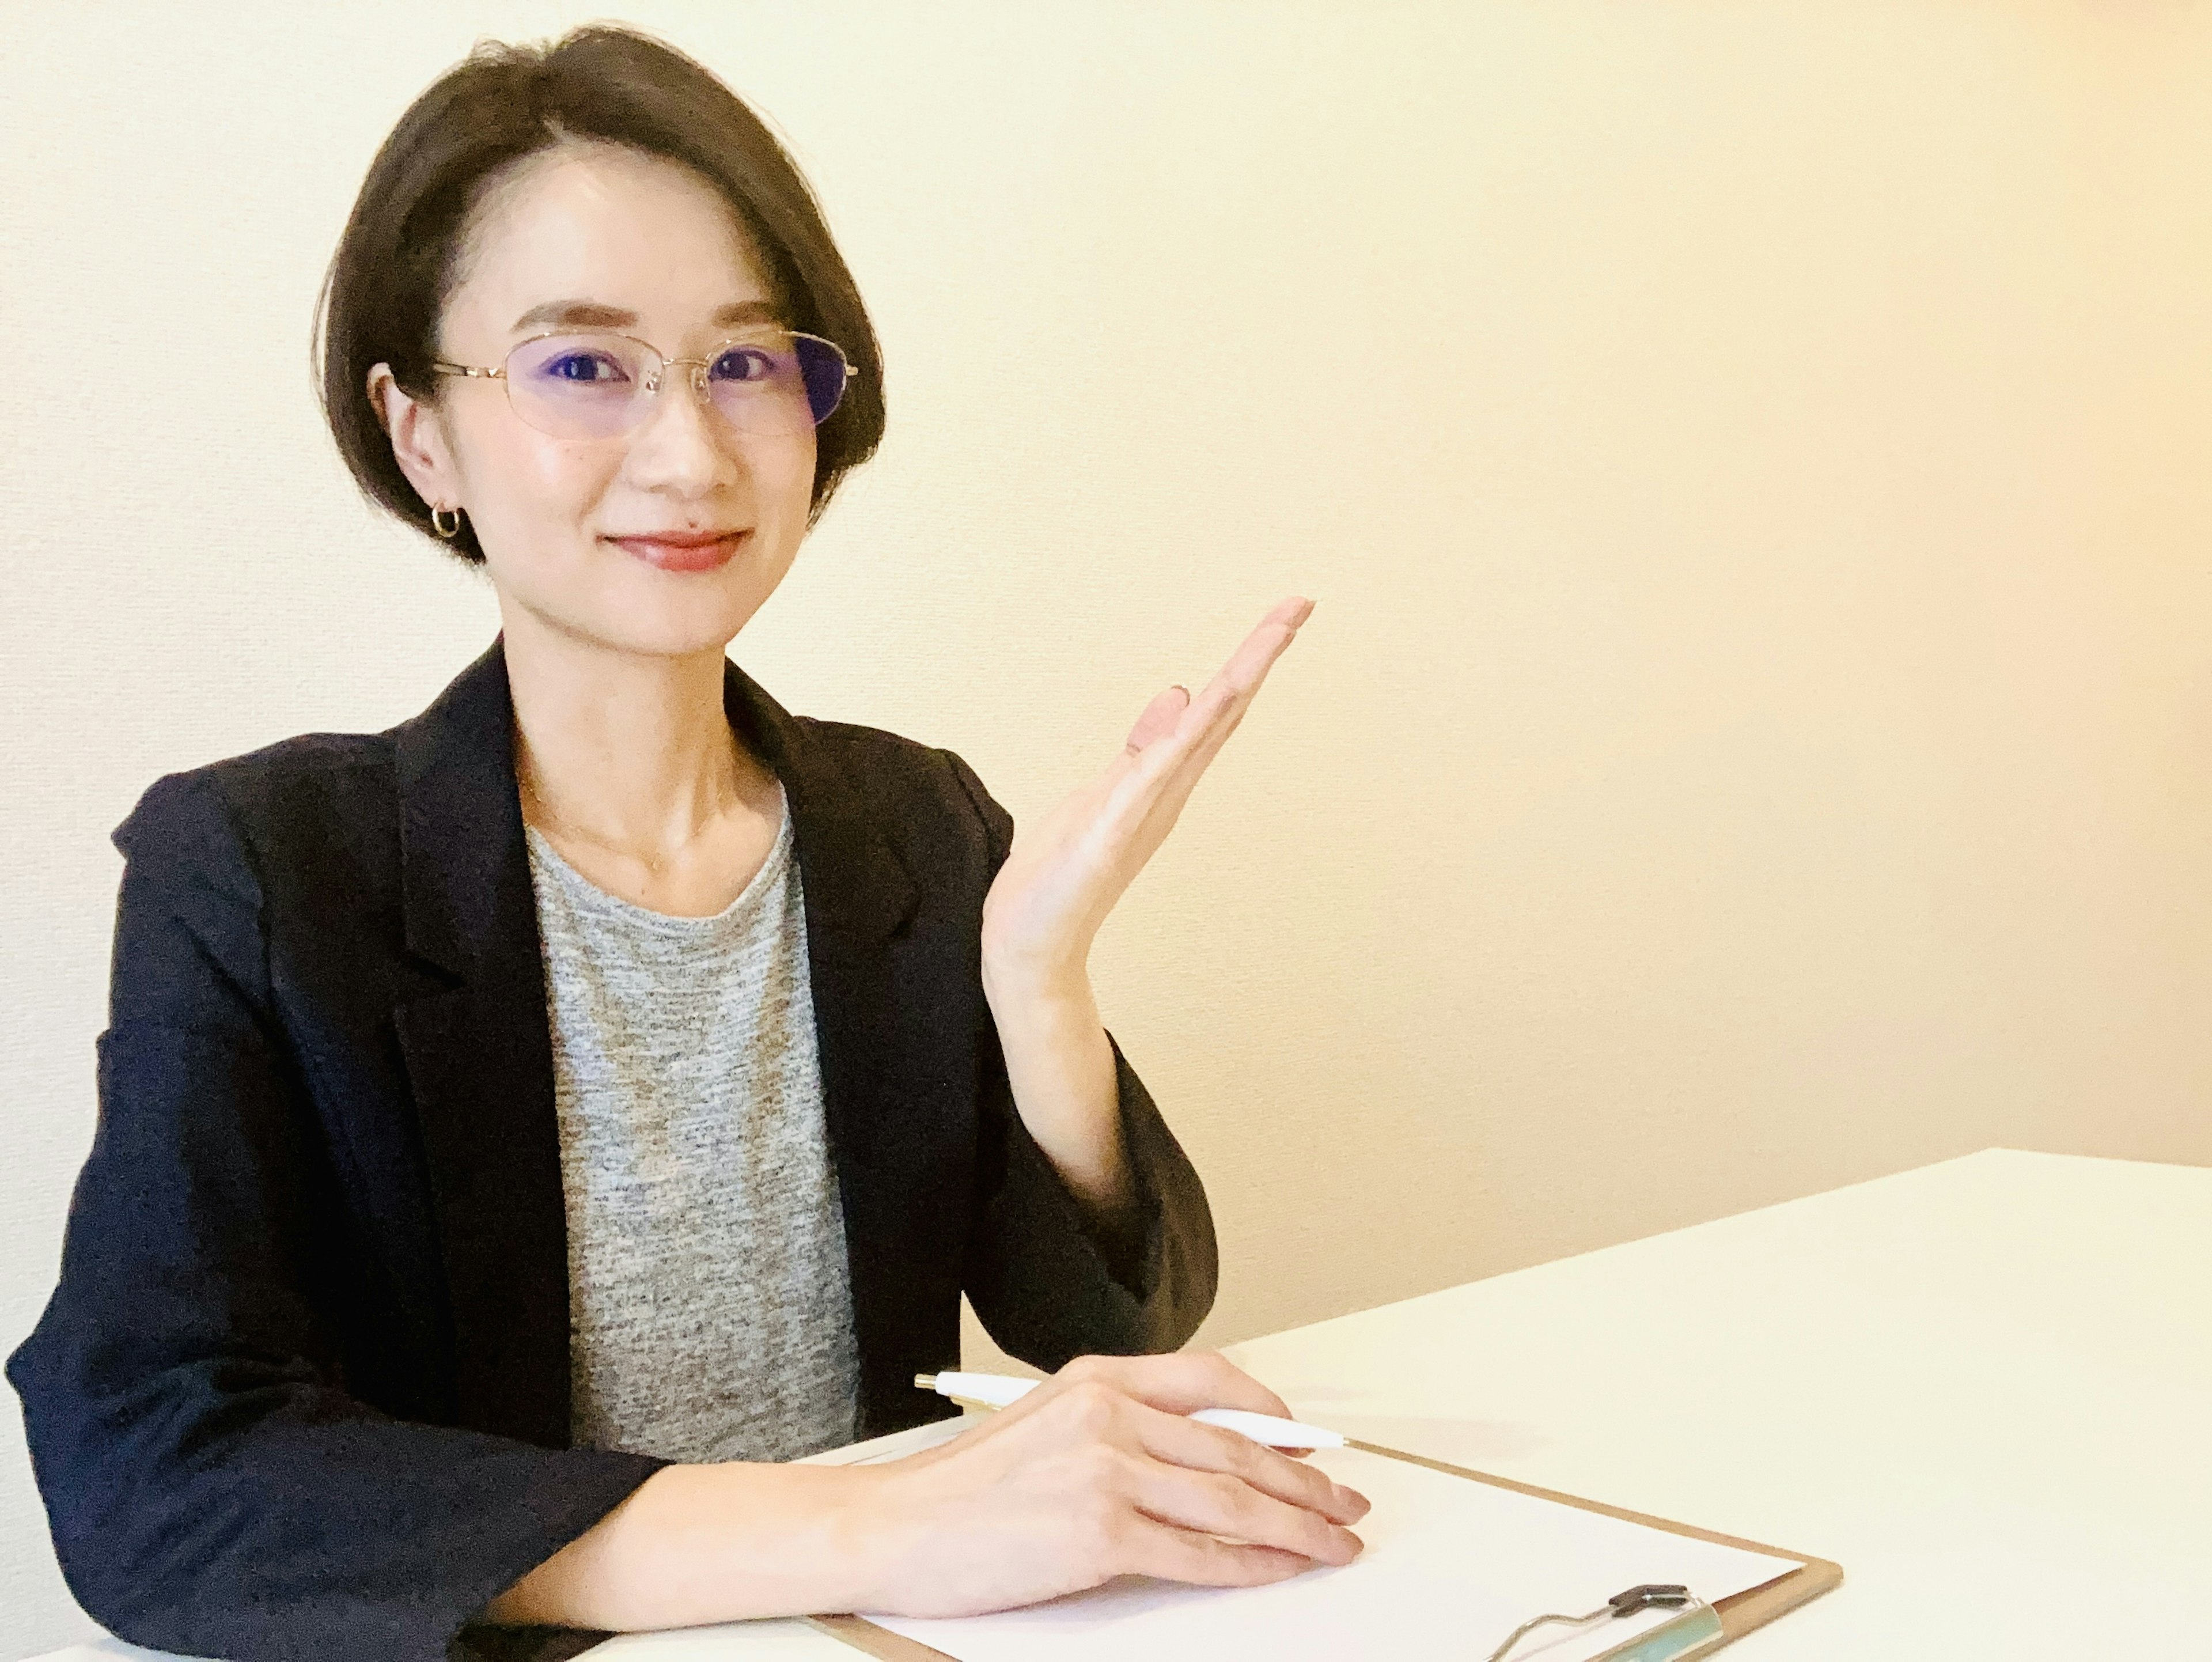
[[399, 256]]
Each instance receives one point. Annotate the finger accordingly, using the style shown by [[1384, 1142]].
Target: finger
[[1140, 1402], [1158, 770], [1172, 761], [1248, 666], [1159, 717], [1238, 680], [1221, 1505], [1186, 1443], [1164, 777], [1181, 1382], [1256, 655], [1169, 1554]]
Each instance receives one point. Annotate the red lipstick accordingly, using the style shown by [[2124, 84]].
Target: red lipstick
[[682, 550]]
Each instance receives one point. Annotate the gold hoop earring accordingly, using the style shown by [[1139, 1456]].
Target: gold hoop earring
[[438, 525]]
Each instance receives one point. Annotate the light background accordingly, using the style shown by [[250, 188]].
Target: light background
[[1751, 459]]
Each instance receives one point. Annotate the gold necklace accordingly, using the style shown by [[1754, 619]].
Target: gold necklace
[[654, 868]]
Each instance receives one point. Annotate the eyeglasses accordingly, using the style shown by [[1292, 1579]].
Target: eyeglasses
[[770, 382]]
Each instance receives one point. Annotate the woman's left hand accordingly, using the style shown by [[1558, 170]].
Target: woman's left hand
[[1065, 873]]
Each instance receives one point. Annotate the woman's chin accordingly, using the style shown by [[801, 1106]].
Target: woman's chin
[[648, 629], [682, 637], [615, 602]]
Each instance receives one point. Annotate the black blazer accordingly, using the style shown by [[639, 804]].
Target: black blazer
[[302, 1390]]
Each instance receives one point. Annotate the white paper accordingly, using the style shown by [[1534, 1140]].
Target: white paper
[[1451, 1568]]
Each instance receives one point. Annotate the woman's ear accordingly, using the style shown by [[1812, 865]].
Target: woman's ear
[[417, 433]]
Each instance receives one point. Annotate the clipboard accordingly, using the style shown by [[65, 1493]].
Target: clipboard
[[1739, 1614]]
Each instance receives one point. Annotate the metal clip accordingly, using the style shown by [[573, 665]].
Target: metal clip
[[1694, 1631]]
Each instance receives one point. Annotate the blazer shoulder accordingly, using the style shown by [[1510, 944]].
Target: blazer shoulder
[[917, 787], [216, 861], [240, 814], [292, 773]]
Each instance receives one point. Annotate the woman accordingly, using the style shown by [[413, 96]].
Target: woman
[[524, 1130]]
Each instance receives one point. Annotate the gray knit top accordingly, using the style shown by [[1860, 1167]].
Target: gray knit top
[[710, 1314]]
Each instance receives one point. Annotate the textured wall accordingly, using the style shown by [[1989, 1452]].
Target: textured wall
[[1751, 459]]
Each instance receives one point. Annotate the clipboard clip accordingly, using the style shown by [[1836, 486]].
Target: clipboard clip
[[1651, 1595], [1697, 1630]]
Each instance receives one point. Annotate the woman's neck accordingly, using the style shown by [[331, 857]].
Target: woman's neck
[[628, 751]]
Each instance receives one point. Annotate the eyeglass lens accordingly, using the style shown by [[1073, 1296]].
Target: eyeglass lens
[[596, 386]]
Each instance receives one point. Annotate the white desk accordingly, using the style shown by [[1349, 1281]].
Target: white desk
[[1983, 1387]]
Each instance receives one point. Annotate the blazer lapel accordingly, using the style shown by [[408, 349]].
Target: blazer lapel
[[858, 897], [479, 1059], [479, 1053]]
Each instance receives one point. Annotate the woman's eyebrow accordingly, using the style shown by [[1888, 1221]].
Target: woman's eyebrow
[[594, 314]]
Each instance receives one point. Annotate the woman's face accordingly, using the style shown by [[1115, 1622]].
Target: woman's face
[[567, 525]]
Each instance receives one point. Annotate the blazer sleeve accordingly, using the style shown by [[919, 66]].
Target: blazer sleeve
[[212, 1488], [1048, 1282]]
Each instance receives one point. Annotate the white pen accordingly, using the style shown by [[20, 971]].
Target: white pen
[[1001, 1391]]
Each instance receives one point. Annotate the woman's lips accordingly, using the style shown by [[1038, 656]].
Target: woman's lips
[[686, 550]]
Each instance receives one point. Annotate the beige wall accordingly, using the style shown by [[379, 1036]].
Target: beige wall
[[1751, 459]]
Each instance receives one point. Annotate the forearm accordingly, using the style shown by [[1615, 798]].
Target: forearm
[[702, 1544], [1059, 1065]]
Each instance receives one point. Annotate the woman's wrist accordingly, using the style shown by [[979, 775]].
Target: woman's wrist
[[1022, 976], [694, 1545], [1063, 1078]]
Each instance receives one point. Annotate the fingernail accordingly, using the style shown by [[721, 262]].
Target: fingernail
[[1353, 1501]]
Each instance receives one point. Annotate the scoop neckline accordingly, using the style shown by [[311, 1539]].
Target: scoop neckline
[[541, 847]]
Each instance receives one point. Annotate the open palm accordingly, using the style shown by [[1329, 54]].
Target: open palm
[[1065, 872]]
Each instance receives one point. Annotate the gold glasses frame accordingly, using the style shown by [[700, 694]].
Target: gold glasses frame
[[660, 362]]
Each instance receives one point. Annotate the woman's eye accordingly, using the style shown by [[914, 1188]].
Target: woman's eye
[[743, 363], [587, 366]]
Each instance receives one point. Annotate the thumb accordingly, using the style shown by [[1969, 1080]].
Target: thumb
[[1159, 717]]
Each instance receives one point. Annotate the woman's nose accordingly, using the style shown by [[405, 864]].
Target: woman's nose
[[682, 441]]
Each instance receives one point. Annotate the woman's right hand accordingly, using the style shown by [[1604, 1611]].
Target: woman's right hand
[[1096, 1473]]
